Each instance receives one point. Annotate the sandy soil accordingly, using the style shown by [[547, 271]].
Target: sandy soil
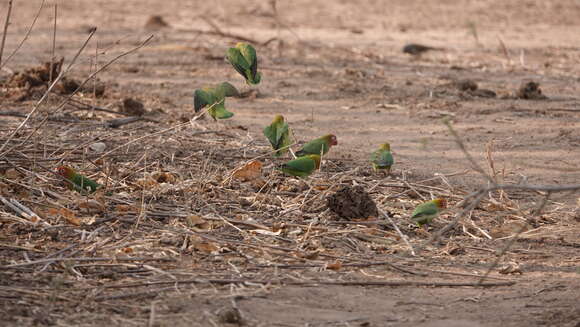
[[337, 67]]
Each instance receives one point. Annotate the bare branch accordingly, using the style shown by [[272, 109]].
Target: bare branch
[[6, 23]]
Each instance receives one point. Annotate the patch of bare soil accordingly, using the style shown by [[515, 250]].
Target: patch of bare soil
[[194, 226]]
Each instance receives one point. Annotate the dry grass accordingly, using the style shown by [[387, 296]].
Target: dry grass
[[173, 217]]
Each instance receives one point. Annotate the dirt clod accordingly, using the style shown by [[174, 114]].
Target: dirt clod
[[155, 23], [466, 85], [230, 316], [351, 202], [530, 91], [132, 107]]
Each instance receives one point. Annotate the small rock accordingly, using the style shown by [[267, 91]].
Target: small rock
[[98, 147], [351, 202]]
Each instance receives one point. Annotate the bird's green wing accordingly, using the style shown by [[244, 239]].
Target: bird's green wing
[[249, 54], [202, 98], [316, 146], [425, 209], [284, 139], [226, 89], [238, 61], [219, 111], [301, 167], [382, 158], [278, 133], [83, 183], [271, 133]]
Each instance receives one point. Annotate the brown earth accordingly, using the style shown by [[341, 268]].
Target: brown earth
[[338, 67]]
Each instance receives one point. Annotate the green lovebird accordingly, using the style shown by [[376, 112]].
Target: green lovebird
[[279, 135], [243, 58], [214, 97], [318, 146], [426, 212], [302, 166], [79, 182], [382, 158]]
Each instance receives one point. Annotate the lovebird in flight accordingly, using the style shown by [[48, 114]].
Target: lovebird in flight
[[245, 61]]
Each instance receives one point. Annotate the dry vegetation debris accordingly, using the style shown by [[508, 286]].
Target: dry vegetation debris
[[199, 207]]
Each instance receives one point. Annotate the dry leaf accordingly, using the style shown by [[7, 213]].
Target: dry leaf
[[266, 232], [201, 245], [278, 227], [250, 171], [164, 177], [309, 255], [510, 268], [12, 173], [125, 208], [206, 247], [146, 182], [495, 206], [336, 266], [68, 215], [92, 206], [127, 250], [321, 187], [510, 228], [195, 221]]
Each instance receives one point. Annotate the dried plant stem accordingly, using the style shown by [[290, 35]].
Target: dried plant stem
[[6, 23], [504, 50], [65, 101], [403, 236], [511, 242], [467, 155], [26, 36], [52, 50], [44, 96]]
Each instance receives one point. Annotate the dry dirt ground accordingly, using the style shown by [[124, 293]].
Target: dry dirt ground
[[328, 67]]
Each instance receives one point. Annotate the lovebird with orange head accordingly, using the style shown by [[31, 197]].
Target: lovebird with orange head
[[319, 146], [79, 182], [427, 211]]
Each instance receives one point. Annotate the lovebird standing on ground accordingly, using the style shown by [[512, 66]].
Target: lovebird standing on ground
[[215, 98], [426, 212], [243, 58], [79, 182], [319, 146], [279, 135], [382, 159], [303, 166]]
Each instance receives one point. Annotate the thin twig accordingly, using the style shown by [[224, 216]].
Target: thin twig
[[6, 23], [467, 155], [44, 96], [403, 236], [52, 260], [26, 36], [65, 101], [511, 242], [53, 42]]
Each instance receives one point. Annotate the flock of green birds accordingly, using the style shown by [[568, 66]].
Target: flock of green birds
[[306, 160]]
